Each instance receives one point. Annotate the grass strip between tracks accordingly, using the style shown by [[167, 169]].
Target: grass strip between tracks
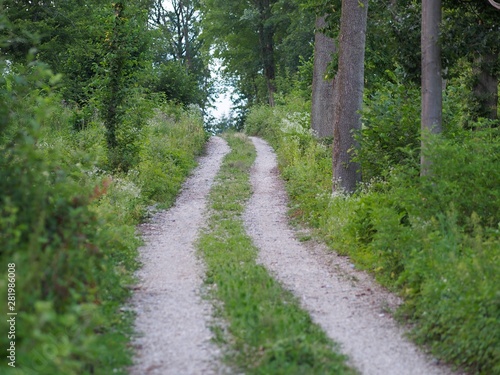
[[264, 330]]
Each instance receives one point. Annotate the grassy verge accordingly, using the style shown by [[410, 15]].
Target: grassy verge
[[267, 332]]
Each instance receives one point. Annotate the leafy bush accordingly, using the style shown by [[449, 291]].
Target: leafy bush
[[167, 154], [69, 224], [263, 121], [174, 81], [64, 271], [465, 174], [436, 239], [454, 279], [390, 132]]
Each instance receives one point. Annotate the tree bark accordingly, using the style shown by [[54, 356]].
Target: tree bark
[[323, 92], [266, 35], [185, 19], [350, 84], [432, 94]]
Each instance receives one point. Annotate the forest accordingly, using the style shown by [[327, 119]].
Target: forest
[[383, 114]]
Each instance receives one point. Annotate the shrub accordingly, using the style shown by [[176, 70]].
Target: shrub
[[69, 224], [456, 306], [263, 121], [178, 85], [167, 154], [390, 132], [465, 173], [436, 239]]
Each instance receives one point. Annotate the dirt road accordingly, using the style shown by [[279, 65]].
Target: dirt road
[[173, 320], [347, 304]]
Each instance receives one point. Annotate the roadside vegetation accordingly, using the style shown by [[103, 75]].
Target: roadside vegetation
[[68, 222], [262, 327], [435, 239], [101, 116], [92, 139]]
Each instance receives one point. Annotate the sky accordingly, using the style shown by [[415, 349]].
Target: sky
[[222, 106], [223, 103]]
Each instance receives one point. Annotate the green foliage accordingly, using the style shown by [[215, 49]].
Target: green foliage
[[167, 154], [436, 239], [237, 30], [390, 135], [181, 56], [68, 224], [465, 175], [102, 52], [68, 285], [124, 60], [263, 122], [271, 123], [470, 29], [461, 272], [391, 128], [67, 35], [228, 26], [459, 109], [172, 79], [267, 333]]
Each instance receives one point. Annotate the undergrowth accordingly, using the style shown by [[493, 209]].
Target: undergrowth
[[435, 240], [68, 222], [267, 332]]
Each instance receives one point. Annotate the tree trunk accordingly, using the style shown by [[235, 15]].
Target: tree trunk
[[432, 94], [185, 19], [322, 89], [350, 86], [266, 35], [486, 86]]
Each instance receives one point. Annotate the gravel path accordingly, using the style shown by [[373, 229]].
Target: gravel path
[[172, 319], [346, 303]]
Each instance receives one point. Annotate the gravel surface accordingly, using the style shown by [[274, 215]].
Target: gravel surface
[[352, 309], [172, 319]]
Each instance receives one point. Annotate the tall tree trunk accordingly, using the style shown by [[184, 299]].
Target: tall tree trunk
[[350, 84], [486, 86], [114, 95], [266, 36], [185, 19], [432, 94], [322, 89]]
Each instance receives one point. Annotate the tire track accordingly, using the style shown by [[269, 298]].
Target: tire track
[[172, 319], [347, 304]]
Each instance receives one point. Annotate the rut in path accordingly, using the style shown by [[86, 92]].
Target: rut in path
[[172, 319], [349, 306]]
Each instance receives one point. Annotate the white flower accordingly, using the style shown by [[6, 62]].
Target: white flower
[[296, 123]]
